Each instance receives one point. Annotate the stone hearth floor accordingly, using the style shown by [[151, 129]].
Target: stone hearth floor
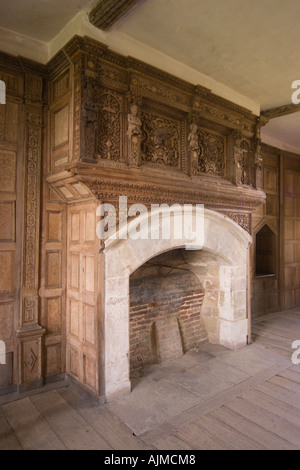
[[210, 399]]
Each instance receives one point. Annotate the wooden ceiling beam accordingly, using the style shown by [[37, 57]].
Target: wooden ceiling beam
[[107, 12], [281, 111]]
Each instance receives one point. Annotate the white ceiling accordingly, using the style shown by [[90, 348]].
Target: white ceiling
[[40, 19], [252, 47]]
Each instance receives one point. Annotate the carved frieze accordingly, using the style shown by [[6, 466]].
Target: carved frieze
[[156, 90], [147, 193]]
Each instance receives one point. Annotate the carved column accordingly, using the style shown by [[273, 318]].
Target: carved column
[[30, 332]]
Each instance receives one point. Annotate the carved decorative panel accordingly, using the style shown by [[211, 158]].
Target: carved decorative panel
[[212, 153], [110, 125], [161, 140]]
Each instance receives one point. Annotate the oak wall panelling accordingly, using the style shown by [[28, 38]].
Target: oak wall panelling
[[93, 125]]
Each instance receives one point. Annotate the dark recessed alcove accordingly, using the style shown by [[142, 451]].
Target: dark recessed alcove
[[265, 252]]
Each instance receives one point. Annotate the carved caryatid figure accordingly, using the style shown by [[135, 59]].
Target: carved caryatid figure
[[194, 149], [258, 165], [240, 159], [134, 135]]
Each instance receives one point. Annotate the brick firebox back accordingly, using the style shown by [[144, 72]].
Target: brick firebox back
[[164, 289]]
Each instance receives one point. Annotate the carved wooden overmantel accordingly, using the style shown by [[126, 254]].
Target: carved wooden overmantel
[[91, 126], [143, 133]]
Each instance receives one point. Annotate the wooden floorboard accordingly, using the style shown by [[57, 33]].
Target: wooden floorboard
[[71, 428], [228, 434], [286, 411], [292, 375], [246, 426], [32, 431], [267, 420], [200, 438], [171, 442], [8, 438], [280, 393], [285, 383], [258, 412], [113, 431]]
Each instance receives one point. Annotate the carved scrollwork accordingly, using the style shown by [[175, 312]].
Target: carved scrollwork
[[110, 125], [244, 220], [90, 119], [161, 141], [212, 153]]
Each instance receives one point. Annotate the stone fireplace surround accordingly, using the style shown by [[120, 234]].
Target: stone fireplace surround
[[221, 266]]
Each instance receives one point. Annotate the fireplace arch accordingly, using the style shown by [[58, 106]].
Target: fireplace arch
[[225, 254]]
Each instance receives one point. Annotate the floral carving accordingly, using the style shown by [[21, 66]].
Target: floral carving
[[109, 126], [161, 140], [212, 153]]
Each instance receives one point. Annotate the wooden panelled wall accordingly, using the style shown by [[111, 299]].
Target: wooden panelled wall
[[48, 249], [281, 214]]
